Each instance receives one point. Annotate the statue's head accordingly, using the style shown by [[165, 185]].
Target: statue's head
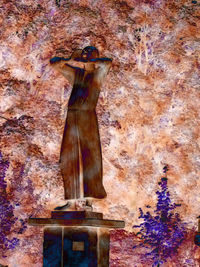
[[90, 52]]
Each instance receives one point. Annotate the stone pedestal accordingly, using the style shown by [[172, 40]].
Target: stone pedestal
[[76, 238]]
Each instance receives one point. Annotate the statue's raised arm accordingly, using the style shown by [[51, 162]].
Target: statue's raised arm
[[67, 66], [102, 65]]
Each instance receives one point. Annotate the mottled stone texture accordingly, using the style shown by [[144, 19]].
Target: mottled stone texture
[[148, 110]]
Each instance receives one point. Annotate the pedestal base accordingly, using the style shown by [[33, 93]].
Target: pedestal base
[[76, 239], [75, 247]]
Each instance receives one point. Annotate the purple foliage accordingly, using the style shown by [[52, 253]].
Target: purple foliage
[[162, 232], [7, 218], [18, 176]]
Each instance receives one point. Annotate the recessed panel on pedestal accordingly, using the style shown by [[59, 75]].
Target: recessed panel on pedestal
[[79, 247]]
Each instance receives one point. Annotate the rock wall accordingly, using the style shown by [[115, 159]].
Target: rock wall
[[148, 109]]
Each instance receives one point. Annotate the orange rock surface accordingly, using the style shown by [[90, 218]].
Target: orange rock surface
[[148, 109]]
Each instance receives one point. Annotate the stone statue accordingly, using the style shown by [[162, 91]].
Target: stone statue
[[80, 156]]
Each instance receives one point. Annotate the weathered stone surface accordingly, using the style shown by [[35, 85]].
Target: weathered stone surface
[[148, 109]]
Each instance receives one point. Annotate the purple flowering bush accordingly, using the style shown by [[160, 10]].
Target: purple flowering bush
[[163, 232], [7, 218]]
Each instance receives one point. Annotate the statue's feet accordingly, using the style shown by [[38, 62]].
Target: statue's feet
[[84, 205], [78, 205], [69, 206], [89, 205]]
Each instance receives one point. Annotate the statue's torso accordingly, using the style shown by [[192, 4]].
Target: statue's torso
[[85, 91]]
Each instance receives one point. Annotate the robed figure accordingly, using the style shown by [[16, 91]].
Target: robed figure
[[80, 156]]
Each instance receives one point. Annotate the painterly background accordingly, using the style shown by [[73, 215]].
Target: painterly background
[[148, 113]]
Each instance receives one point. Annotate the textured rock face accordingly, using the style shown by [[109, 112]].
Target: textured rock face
[[148, 110]]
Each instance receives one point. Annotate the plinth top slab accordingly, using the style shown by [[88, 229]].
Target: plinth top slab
[[76, 222], [76, 218], [75, 215]]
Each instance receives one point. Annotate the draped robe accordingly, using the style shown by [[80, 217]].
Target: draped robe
[[81, 148]]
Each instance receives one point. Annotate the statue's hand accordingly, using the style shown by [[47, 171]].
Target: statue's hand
[[102, 59], [57, 59]]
